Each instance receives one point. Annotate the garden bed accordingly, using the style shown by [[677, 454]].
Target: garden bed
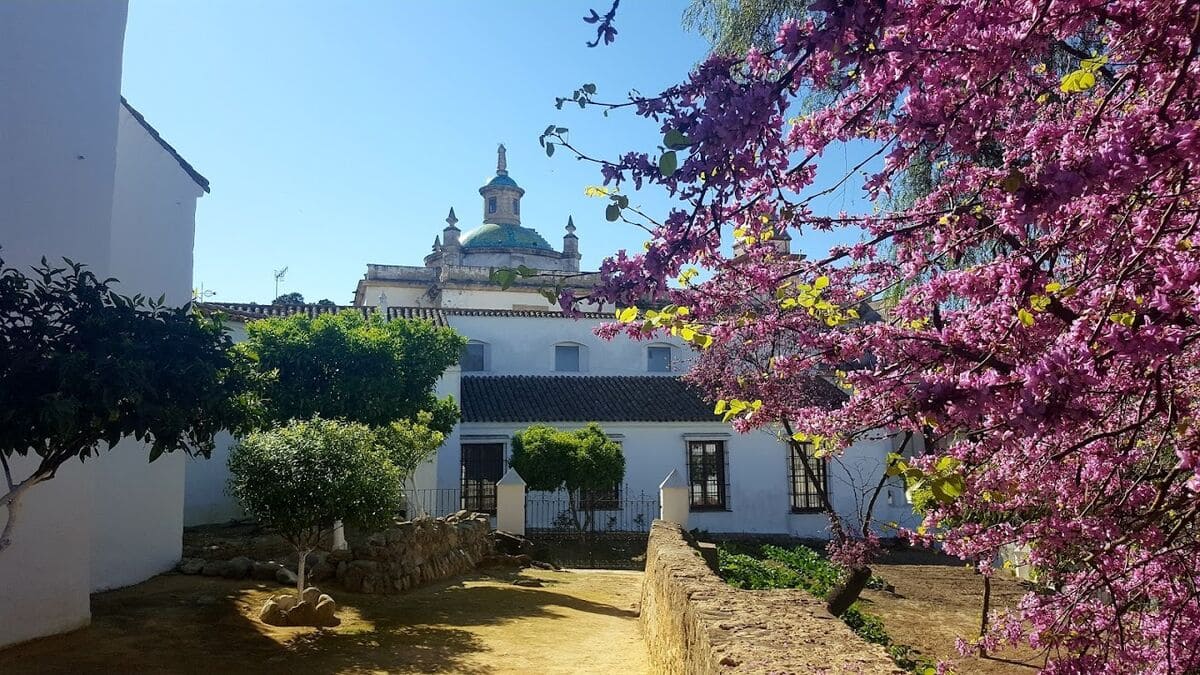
[[917, 605]]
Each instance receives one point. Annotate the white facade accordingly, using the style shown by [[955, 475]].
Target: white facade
[[81, 177]]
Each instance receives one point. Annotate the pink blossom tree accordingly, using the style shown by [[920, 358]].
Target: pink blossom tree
[[1040, 346]]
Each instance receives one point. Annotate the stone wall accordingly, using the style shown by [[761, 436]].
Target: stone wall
[[413, 553], [695, 623]]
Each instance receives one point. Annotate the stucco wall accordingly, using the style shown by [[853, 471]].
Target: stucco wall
[[60, 63], [525, 346], [137, 505], [757, 466]]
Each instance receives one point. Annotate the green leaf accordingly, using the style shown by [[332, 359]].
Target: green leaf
[[549, 294], [622, 201], [668, 163], [674, 140], [589, 88], [612, 213], [549, 149]]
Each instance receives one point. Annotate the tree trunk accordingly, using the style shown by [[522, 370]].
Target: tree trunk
[[842, 596], [983, 619], [300, 572]]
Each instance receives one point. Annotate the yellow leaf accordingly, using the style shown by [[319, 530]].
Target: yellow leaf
[[1025, 317], [627, 315], [596, 191], [821, 282], [1053, 287]]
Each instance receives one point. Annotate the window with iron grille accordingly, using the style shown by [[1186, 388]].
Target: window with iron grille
[[707, 475], [482, 466], [491, 204], [805, 496]]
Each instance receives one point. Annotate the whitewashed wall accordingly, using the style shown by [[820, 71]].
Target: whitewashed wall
[[758, 496], [60, 65], [525, 346], [138, 506]]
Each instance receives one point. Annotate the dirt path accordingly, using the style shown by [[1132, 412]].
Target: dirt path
[[578, 622]]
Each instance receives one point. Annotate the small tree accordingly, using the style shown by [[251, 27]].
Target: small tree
[[300, 478], [578, 461], [82, 367], [410, 443]]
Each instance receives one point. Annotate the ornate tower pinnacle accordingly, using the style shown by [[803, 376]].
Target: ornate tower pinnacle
[[452, 220], [501, 161]]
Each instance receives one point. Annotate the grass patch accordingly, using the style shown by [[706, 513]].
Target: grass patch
[[767, 566]]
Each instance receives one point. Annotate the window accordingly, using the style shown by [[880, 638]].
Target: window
[[491, 204], [482, 466], [658, 359], [474, 357], [707, 475], [805, 496], [517, 206], [566, 358]]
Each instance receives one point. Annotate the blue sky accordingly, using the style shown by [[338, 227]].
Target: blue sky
[[339, 134]]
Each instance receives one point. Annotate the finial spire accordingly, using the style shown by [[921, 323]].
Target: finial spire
[[570, 225], [501, 161], [451, 219]]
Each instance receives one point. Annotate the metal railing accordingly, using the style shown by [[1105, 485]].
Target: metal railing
[[432, 502]]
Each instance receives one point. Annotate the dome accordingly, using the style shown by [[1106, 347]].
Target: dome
[[504, 236], [501, 181]]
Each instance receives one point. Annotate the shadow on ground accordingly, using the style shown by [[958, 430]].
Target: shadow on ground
[[481, 624]]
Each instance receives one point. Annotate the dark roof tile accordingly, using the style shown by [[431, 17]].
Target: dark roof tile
[[581, 398]]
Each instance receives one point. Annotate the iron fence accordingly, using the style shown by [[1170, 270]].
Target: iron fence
[[608, 529], [433, 502]]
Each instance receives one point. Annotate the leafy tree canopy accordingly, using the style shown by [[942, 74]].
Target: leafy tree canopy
[[82, 367], [347, 366], [552, 459], [292, 298]]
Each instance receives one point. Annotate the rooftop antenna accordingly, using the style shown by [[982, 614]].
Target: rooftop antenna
[[279, 274]]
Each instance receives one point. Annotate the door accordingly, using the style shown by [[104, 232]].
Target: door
[[482, 466]]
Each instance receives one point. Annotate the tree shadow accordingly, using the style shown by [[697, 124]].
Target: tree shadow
[[175, 623]]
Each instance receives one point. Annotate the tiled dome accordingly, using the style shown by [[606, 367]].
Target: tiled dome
[[504, 236]]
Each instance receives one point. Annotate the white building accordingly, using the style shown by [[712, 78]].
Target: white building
[[528, 363], [83, 175]]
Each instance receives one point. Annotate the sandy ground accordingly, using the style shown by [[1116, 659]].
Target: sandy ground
[[938, 599], [578, 622]]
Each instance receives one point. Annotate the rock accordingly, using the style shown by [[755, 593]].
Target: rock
[[239, 568], [511, 544], [311, 595], [217, 568], [190, 565], [321, 571], [271, 613], [529, 583], [542, 565], [340, 555], [265, 571], [324, 614], [285, 576]]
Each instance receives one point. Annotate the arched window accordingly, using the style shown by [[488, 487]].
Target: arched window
[[658, 358], [475, 357], [517, 206], [570, 357], [491, 204]]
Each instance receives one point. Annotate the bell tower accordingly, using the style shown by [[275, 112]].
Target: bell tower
[[501, 195]]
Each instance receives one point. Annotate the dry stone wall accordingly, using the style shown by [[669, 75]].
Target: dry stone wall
[[695, 623], [413, 553]]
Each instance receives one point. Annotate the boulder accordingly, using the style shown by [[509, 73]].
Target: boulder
[[191, 565], [218, 568], [265, 571], [511, 544], [239, 568], [285, 576], [530, 583], [312, 608]]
